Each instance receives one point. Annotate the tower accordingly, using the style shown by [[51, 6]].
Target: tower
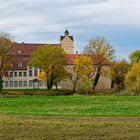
[[67, 42]]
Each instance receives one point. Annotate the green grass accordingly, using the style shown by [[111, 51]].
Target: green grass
[[72, 106]]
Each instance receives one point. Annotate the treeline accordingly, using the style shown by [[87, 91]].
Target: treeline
[[98, 59]]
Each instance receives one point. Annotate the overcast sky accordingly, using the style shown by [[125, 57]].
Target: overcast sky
[[43, 21]]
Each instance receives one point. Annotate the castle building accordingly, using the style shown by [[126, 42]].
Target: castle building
[[21, 76]]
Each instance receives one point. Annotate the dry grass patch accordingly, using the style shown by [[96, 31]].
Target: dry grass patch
[[70, 128]]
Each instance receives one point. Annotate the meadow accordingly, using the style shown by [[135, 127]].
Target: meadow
[[70, 117]]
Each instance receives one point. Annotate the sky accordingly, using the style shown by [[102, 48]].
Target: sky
[[44, 21]]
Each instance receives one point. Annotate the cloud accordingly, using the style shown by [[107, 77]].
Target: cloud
[[46, 20]]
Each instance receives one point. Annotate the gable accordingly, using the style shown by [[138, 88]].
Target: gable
[[69, 38]]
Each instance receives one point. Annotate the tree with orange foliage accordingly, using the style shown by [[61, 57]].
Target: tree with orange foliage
[[119, 70], [83, 67], [51, 60], [132, 79], [102, 54], [5, 44]]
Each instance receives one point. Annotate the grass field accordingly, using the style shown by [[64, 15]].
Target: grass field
[[71, 106], [70, 117]]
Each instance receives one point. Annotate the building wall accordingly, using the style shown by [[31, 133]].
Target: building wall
[[103, 83], [26, 82], [68, 45], [17, 79]]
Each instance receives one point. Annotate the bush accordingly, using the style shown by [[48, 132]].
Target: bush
[[132, 79], [32, 92], [84, 86]]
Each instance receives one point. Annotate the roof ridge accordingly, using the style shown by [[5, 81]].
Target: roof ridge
[[38, 43]]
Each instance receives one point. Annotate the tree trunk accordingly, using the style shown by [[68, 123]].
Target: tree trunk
[[55, 85], [1, 84], [50, 82], [112, 84], [95, 82], [74, 86]]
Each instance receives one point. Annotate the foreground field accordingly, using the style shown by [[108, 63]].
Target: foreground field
[[70, 118], [60, 128], [71, 106]]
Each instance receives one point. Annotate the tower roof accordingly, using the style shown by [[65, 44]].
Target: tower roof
[[66, 32]]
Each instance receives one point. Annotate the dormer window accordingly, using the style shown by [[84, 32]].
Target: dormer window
[[20, 64], [12, 65], [19, 51]]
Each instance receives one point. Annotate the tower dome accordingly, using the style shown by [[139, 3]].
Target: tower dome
[[66, 32]]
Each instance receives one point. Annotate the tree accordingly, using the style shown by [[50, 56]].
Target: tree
[[135, 56], [119, 70], [83, 67], [51, 60], [102, 54], [60, 75], [6, 43], [132, 79]]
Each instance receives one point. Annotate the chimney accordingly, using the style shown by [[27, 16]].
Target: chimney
[[22, 43]]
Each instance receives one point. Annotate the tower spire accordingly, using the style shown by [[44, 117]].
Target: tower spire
[[66, 32]]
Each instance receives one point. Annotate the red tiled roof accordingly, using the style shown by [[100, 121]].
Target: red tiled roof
[[22, 53], [70, 58], [26, 48], [20, 62], [95, 59]]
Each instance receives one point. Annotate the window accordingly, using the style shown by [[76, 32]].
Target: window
[[20, 74], [15, 83], [25, 83], [30, 83], [6, 84], [30, 72], [24, 74], [35, 72], [19, 51], [20, 65], [11, 74], [20, 83], [15, 74], [11, 83], [12, 65]]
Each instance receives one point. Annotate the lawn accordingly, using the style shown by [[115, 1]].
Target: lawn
[[70, 118], [71, 106]]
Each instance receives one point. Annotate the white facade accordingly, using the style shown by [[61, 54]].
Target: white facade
[[21, 79]]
